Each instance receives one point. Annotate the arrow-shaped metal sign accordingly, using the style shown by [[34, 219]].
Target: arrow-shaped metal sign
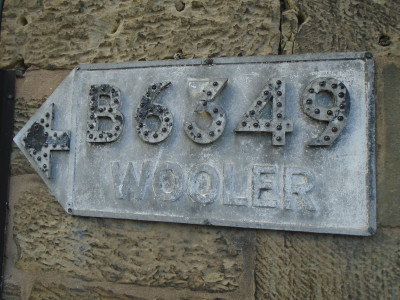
[[281, 142]]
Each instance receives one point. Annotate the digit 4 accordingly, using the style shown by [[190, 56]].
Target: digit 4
[[251, 121]]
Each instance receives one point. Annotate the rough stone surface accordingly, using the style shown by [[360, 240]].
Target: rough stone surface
[[348, 25], [388, 139], [49, 292], [309, 266], [11, 291], [121, 251], [61, 34]]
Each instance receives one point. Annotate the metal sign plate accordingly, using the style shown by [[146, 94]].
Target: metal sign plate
[[280, 142]]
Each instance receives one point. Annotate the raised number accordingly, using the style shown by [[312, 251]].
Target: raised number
[[104, 104], [147, 109], [204, 93], [335, 115], [252, 122]]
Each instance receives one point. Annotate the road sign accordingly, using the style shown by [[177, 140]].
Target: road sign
[[280, 142]]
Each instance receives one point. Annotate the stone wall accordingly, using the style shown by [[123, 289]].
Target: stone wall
[[52, 255]]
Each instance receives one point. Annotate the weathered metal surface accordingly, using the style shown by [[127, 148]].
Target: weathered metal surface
[[259, 142]]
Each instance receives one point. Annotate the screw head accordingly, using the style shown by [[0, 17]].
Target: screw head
[[44, 154], [44, 166], [211, 133], [146, 133], [166, 119], [155, 135], [342, 106], [279, 93], [150, 109], [322, 83], [101, 135], [334, 85], [327, 138], [153, 86], [164, 129], [278, 138], [199, 135], [279, 127], [117, 128], [140, 125], [255, 125], [334, 129], [160, 110], [55, 134], [215, 83], [142, 104], [190, 127], [39, 158], [252, 112], [278, 82], [244, 124], [209, 93], [209, 61], [316, 111], [218, 123], [266, 93], [116, 101], [279, 116], [110, 110], [340, 118], [311, 90], [46, 134], [341, 95], [279, 104], [259, 102], [329, 112], [309, 101], [47, 115], [267, 124], [215, 110]]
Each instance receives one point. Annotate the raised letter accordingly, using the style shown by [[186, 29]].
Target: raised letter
[[298, 181], [267, 186], [105, 102], [129, 187], [229, 188], [168, 181], [203, 183]]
